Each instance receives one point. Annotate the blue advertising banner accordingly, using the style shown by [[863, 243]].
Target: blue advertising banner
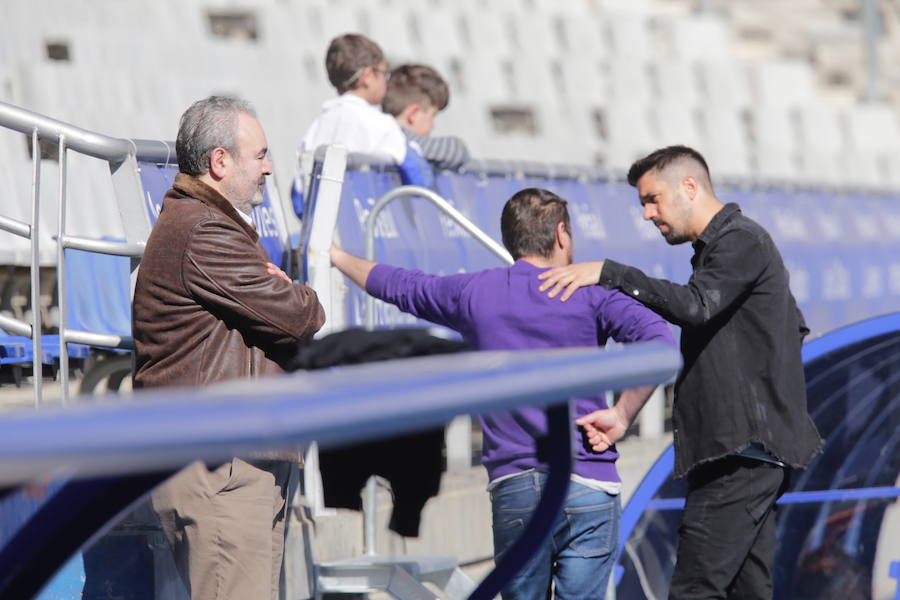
[[842, 251], [157, 180]]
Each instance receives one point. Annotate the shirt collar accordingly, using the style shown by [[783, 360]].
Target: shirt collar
[[193, 187], [717, 222], [353, 98], [246, 217]]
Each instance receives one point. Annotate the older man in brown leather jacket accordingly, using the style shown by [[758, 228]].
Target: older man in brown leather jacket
[[208, 307]]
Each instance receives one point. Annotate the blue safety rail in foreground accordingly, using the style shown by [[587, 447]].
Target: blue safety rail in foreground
[[843, 250], [837, 524], [111, 454]]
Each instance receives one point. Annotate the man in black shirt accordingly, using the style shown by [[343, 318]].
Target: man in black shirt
[[740, 419]]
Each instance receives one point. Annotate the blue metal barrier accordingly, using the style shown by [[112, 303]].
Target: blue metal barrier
[[160, 431], [842, 250]]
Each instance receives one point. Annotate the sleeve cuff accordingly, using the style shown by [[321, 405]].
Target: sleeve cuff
[[377, 279], [611, 274]]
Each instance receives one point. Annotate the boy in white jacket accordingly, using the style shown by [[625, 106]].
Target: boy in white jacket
[[357, 69]]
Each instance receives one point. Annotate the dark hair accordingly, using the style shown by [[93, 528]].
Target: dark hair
[[528, 223], [662, 158], [415, 84], [347, 56], [208, 124]]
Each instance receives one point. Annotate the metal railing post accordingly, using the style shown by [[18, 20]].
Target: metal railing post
[[61, 275], [37, 360], [442, 205], [369, 516], [121, 155]]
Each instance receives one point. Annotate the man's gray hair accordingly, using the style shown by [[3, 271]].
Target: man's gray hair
[[208, 124]]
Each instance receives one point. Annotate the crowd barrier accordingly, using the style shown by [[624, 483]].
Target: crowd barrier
[[111, 454], [842, 249]]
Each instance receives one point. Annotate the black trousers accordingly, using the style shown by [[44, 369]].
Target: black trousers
[[726, 541]]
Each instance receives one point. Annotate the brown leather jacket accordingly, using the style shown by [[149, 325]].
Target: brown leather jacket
[[205, 309]]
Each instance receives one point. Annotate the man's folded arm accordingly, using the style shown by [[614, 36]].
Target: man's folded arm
[[223, 271]]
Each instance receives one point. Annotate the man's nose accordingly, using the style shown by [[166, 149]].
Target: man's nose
[[267, 166], [649, 212]]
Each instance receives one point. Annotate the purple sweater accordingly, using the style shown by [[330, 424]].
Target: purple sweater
[[502, 309]]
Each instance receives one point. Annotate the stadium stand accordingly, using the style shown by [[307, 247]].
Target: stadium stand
[[87, 66]]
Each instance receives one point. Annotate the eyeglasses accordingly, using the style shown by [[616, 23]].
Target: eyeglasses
[[359, 72]]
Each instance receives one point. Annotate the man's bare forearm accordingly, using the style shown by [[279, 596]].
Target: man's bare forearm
[[357, 269], [631, 401]]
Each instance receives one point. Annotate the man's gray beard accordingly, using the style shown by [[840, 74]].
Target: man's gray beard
[[247, 206]]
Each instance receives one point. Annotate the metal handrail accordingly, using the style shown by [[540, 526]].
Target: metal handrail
[[16, 227], [15, 326], [442, 205], [81, 140], [37, 365], [112, 248], [61, 283], [88, 142], [331, 406], [115, 151], [107, 446], [75, 336]]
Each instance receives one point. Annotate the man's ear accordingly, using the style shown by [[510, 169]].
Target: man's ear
[[219, 163], [690, 186], [409, 115], [562, 235]]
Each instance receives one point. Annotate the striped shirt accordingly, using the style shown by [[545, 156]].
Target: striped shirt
[[443, 152]]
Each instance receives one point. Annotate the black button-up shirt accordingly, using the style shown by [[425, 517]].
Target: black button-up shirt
[[741, 332]]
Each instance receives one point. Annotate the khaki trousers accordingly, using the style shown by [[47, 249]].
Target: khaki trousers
[[226, 527]]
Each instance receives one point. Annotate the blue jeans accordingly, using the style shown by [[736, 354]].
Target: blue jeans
[[579, 555]]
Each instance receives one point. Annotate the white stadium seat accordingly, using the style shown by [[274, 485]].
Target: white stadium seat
[[782, 83], [629, 80], [487, 35], [630, 38], [439, 32], [725, 142], [676, 123], [628, 133], [675, 81], [873, 127], [724, 83], [698, 37]]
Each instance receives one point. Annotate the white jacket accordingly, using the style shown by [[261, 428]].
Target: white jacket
[[361, 127]]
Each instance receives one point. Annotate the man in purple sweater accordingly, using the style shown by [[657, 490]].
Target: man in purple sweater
[[503, 309]]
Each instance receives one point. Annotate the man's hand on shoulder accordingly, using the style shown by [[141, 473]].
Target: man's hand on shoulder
[[570, 278]]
